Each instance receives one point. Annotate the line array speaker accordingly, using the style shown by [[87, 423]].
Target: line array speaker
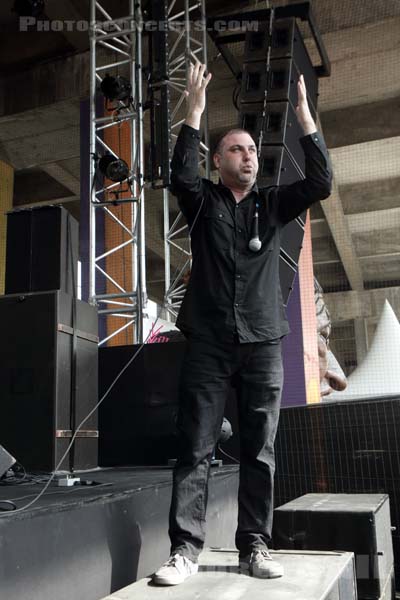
[[274, 58]]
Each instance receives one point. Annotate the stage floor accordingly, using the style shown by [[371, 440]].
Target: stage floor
[[308, 576], [87, 541]]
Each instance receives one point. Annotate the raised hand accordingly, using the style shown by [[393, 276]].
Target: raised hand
[[196, 94], [303, 114]]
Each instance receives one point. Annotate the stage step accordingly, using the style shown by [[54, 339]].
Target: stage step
[[308, 576]]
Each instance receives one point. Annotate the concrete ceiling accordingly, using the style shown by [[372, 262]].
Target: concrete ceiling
[[356, 239]]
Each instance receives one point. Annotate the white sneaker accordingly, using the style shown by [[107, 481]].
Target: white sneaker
[[175, 570], [261, 564]]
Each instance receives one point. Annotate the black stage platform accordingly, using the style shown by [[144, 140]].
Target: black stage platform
[[85, 542]]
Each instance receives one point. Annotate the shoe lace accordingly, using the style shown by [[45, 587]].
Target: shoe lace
[[177, 559], [264, 554], [173, 560]]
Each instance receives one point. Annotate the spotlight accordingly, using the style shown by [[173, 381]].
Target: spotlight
[[116, 88], [113, 168], [28, 8]]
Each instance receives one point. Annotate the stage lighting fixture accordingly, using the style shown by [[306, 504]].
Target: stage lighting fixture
[[28, 8], [113, 168], [116, 88]]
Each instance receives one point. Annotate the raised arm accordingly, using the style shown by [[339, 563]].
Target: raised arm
[[295, 198], [186, 184], [196, 94], [303, 113]]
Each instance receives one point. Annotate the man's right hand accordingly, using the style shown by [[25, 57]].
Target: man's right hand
[[196, 94]]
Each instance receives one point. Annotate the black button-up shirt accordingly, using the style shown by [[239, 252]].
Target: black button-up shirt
[[233, 291]]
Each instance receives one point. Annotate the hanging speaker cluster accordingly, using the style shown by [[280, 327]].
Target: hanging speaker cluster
[[275, 56]]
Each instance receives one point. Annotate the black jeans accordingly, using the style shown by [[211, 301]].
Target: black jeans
[[207, 372]]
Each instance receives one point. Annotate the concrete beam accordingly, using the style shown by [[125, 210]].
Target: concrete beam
[[369, 161], [372, 121], [351, 52], [366, 222], [365, 197], [345, 306], [63, 200], [55, 81], [69, 10], [334, 215], [36, 151], [60, 174]]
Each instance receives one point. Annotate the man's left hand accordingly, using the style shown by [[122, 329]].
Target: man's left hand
[[303, 114]]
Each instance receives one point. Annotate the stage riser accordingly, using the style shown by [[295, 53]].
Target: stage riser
[[341, 448], [358, 523], [87, 550]]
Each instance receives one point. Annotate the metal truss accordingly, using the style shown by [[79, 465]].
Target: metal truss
[[116, 49], [186, 43]]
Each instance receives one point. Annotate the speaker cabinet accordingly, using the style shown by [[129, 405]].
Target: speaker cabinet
[[37, 355], [288, 59], [358, 523], [42, 250], [137, 420], [276, 167], [279, 126]]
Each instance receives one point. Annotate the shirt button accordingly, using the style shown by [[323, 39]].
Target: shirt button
[[239, 230], [220, 216], [316, 139], [236, 304], [238, 276]]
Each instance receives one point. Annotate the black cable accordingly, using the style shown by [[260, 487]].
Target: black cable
[[9, 503], [73, 378]]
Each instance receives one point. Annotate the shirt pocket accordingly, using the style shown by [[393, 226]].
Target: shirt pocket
[[219, 229]]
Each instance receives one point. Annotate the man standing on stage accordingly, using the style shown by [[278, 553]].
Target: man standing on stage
[[233, 318]]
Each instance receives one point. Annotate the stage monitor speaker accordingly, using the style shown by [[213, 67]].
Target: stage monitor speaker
[[6, 461], [137, 422], [279, 126], [36, 361], [358, 523], [42, 250]]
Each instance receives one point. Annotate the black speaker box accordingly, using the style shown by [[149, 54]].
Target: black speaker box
[[6, 461], [137, 420], [277, 167], [288, 58], [279, 83], [358, 523], [287, 273], [42, 250], [292, 240], [279, 126], [36, 358]]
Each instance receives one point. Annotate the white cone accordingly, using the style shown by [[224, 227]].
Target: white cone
[[379, 372]]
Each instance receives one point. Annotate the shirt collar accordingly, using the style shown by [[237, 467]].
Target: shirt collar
[[253, 189]]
